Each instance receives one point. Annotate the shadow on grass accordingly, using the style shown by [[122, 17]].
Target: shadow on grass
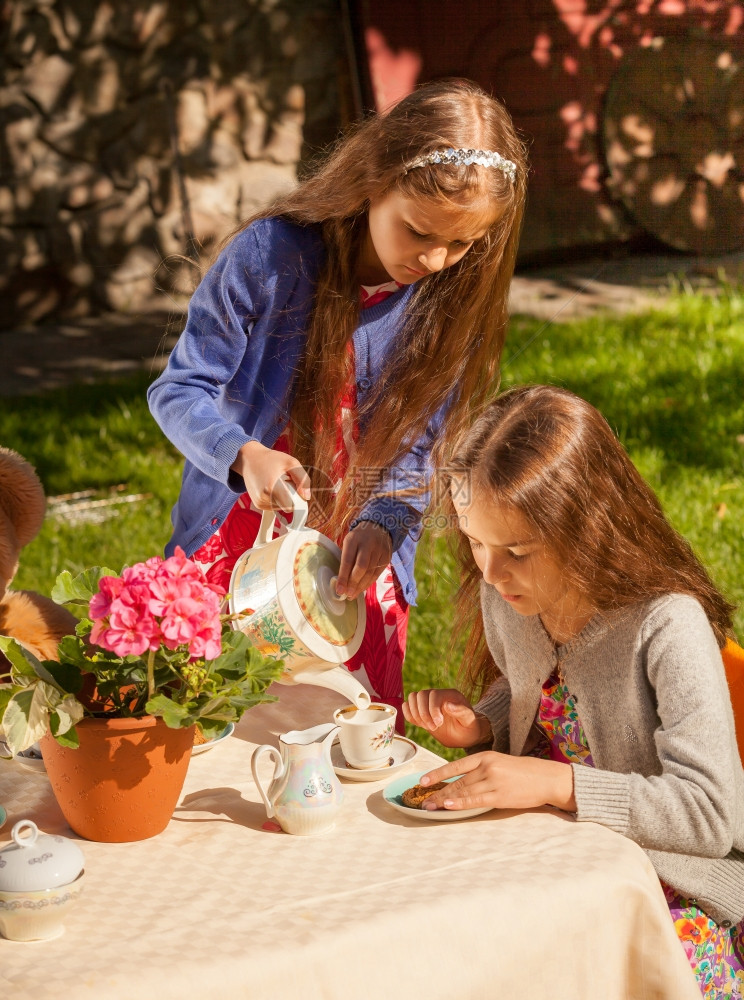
[[690, 423], [86, 436]]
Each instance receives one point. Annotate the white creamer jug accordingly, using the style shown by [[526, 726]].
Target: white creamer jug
[[304, 794]]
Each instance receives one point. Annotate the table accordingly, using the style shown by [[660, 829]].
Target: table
[[501, 905]]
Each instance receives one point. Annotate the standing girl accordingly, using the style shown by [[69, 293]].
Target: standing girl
[[603, 688], [336, 339]]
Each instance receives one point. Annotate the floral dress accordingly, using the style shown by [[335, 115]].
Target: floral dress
[[378, 664], [715, 953]]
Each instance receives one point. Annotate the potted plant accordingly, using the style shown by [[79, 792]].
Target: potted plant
[[152, 658]]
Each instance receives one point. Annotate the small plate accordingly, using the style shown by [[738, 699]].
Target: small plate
[[402, 752], [395, 789], [201, 747], [31, 759], [3, 815]]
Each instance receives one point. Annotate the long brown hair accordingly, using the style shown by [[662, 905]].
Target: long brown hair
[[455, 327], [552, 456]]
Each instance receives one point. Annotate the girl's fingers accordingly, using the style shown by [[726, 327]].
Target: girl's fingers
[[465, 798], [463, 713], [455, 768], [365, 552], [471, 791], [301, 481], [281, 498], [431, 708], [353, 570], [348, 558], [412, 710], [431, 718]]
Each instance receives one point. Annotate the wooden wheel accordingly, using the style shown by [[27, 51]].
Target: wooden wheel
[[674, 142]]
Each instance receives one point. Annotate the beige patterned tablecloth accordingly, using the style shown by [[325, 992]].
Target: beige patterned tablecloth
[[501, 905]]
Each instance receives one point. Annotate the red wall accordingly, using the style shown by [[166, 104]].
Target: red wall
[[551, 62]]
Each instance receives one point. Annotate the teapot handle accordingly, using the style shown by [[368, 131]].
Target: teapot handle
[[276, 756], [299, 515]]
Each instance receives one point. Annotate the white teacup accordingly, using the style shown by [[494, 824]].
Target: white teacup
[[366, 734]]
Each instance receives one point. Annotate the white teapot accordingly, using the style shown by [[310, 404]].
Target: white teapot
[[283, 591]]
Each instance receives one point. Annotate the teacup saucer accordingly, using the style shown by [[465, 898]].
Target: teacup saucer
[[31, 759], [402, 752], [201, 747]]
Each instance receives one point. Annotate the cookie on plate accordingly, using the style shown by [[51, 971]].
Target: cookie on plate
[[415, 796]]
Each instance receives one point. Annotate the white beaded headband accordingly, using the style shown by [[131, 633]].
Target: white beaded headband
[[483, 157]]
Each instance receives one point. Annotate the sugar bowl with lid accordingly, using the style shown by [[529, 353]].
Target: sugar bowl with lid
[[41, 877]]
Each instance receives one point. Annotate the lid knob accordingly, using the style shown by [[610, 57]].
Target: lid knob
[[37, 861]]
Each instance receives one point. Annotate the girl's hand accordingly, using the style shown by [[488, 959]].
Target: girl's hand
[[448, 715], [500, 781], [365, 553], [262, 470]]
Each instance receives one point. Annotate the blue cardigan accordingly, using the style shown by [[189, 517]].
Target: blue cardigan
[[229, 380]]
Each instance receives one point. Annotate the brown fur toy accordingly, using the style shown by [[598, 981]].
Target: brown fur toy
[[35, 621]]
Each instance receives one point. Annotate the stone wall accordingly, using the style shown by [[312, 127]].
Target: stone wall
[[134, 136]]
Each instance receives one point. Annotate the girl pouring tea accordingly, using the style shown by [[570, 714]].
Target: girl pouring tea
[[596, 648], [339, 335]]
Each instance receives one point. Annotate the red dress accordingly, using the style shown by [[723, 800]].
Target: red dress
[[378, 664]]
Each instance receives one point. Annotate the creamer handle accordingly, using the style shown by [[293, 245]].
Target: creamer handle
[[299, 516], [276, 756]]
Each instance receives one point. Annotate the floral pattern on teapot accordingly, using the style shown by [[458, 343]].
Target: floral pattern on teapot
[[269, 632]]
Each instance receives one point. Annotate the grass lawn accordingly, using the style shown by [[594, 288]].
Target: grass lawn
[[670, 383]]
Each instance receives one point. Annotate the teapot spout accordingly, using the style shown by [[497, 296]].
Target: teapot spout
[[337, 679]]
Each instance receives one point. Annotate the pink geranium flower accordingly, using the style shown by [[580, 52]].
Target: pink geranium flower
[[165, 590], [182, 622], [158, 603], [109, 587], [179, 565], [128, 632], [206, 645]]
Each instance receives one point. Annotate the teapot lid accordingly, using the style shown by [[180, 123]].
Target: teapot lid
[[38, 861], [315, 571]]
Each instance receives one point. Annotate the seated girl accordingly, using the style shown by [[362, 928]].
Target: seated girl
[[596, 651]]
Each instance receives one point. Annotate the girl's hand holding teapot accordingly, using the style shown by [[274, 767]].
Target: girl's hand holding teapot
[[263, 471], [366, 551]]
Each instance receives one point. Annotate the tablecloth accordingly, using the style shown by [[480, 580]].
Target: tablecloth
[[502, 905]]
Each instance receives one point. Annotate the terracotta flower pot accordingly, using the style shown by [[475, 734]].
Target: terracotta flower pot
[[123, 782]]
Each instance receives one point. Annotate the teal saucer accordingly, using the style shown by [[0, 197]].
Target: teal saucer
[[3, 815]]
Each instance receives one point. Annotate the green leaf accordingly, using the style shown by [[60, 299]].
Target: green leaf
[[69, 738], [27, 716], [76, 592], [173, 715], [85, 626], [64, 676], [26, 719], [73, 649], [6, 693], [68, 712], [240, 659], [22, 661]]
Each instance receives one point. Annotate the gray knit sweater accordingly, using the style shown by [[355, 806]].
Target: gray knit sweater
[[653, 701]]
